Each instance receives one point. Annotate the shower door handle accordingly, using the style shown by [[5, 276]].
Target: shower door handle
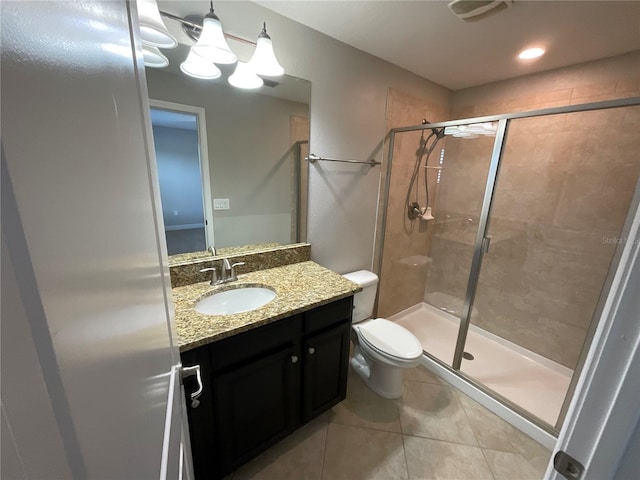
[[486, 241]]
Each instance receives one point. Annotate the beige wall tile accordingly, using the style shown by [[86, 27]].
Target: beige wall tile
[[563, 193]]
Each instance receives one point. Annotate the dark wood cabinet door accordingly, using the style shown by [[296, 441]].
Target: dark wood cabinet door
[[256, 405], [326, 362]]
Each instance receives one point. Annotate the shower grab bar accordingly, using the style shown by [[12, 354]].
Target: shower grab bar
[[314, 158], [435, 168]]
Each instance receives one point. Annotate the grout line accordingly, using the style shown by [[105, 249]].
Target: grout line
[[324, 455], [406, 462], [484, 455], [444, 441], [404, 446], [466, 414]]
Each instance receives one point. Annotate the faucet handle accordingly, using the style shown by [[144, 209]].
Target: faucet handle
[[233, 270], [214, 274]]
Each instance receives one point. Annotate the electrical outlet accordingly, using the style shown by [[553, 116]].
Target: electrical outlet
[[221, 204]]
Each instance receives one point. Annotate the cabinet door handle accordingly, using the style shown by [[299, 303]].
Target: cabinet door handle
[[294, 359], [188, 372], [312, 350]]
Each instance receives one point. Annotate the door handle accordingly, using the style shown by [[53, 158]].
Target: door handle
[[486, 241], [312, 350], [189, 372]]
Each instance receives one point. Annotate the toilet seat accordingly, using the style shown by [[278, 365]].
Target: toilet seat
[[390, 340]]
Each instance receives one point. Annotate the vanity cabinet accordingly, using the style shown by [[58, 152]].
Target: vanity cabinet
[[261, 385]]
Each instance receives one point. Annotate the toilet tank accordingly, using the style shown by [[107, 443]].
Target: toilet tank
[[364, 300]]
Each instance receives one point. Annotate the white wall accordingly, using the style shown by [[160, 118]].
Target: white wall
[[348, 101]]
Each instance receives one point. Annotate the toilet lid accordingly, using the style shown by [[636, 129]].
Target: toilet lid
[[390, 338]]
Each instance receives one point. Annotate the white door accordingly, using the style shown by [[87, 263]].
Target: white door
[[90, 367]]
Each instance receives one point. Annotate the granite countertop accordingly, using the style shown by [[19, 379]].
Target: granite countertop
[[299, 287]]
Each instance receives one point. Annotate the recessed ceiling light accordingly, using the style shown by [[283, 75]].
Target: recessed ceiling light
[[531, 53]]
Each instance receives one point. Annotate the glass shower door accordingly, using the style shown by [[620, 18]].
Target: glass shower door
[[462, 172], [562, 194]]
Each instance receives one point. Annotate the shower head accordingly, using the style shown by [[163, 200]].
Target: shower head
[[439, 133]]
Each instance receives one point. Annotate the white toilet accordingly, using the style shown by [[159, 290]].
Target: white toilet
[[382, 348]]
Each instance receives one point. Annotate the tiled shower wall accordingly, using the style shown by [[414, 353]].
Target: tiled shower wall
[[407, 243], [564, 189]]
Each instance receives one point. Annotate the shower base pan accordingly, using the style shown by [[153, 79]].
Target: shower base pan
[[527, 379]]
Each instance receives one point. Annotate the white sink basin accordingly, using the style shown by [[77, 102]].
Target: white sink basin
[[238, 300]]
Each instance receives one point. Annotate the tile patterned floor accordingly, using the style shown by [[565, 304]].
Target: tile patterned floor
[[432, 432]]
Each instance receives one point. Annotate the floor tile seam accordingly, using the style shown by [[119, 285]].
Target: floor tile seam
[[435, 382], [466, 415], [404, 446], [525, 459], [499, 449], [484, 455], [406, 461], [324, 454], [367, 428], [413, 435]]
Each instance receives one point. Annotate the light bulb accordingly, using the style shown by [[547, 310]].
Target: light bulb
[[245, 77], [153, 57], [199, 67]]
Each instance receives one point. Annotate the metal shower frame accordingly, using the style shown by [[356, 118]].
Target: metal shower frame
[[481, 241]]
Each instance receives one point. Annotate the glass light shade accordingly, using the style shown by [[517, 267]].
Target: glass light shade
[[153, 57], [212, 45], [264, 61], [152, 29], [245, 77], [199, 67]]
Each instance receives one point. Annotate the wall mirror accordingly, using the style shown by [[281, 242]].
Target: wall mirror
[[230, 161]]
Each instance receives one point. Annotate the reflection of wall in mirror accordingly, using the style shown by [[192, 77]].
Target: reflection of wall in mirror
[[250, 155], [299, 135]]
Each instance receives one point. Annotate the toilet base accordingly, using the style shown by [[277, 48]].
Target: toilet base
[[385, 380]]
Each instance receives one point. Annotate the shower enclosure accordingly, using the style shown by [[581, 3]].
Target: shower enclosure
[[502, 286]]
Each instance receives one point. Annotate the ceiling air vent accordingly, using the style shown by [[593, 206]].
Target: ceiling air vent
[[470, 10]]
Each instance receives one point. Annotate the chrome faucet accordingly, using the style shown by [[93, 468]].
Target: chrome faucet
[[227, 272], [213, 250]]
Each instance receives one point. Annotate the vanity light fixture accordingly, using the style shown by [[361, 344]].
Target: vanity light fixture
[[531, 53], [153, 31], [211, 48], [212, 44]]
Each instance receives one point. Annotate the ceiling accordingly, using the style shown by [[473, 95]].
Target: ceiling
[[426, 38]]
